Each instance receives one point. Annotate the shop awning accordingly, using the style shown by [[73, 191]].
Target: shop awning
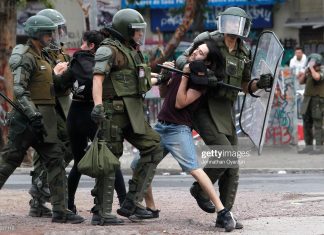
[[160, 4], [298, 23]]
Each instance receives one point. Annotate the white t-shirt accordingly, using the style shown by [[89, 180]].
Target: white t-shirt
[[298, 65]]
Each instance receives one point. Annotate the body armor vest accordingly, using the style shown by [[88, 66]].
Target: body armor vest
[[132, 79], [41, 83], [314, 88], [235, 64]]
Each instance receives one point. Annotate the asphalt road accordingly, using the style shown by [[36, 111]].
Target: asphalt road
[[297, 183]]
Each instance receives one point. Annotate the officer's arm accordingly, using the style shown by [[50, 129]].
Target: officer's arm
[[103, 62], [64, 81], [315, 74], [22, 67]]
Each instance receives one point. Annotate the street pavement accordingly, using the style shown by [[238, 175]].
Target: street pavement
[[273, 160]]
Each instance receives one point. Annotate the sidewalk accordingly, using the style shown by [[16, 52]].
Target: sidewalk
[[274, 159]]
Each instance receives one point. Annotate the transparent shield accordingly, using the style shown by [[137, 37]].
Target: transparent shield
[[255, 111]]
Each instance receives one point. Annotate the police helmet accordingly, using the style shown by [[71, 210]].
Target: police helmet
[[126, 21]]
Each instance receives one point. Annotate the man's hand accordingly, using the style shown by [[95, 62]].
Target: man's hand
[[60, 68], [265, 81], [36, 122], [98, 114]]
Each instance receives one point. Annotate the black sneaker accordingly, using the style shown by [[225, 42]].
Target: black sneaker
[[112, 220], [226, 218], [204, 204], [220, 224], [129, 208], [66, 217], [155, 213]]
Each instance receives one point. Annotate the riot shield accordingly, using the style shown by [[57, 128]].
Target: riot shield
[[255, 111]]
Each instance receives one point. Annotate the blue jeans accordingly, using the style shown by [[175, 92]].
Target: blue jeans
[[177, 140]]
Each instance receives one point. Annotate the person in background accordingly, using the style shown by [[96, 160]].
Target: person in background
[[298, 64], [313, 104]]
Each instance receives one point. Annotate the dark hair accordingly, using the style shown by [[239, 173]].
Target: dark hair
[[298, 48], [93, 36], [214, 56]]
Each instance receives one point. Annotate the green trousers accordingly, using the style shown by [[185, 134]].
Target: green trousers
[[228, 178], [20, 138]]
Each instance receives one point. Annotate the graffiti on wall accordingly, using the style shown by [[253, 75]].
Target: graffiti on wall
[[282, 126]]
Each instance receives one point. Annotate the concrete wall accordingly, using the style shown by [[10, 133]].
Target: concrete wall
[[74, 20], [281, 14]]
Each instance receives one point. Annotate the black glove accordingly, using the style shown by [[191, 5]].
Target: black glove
[[265, 81], [198, 72], [36, 122], [98, 114]]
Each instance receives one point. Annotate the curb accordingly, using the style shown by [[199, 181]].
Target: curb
[[173, 171]]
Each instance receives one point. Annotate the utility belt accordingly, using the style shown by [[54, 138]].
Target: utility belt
[[114, 106]]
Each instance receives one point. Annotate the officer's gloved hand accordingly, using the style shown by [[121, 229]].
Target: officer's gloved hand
[[98, 114], [265, 81], [37, 124], [198, 72]]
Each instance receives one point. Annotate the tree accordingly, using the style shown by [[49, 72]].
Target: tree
[[189, 15]]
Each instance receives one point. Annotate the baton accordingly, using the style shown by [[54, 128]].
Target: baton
[[220, 83], [16, 107], [171, 69]]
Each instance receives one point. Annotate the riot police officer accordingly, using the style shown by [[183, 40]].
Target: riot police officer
[[213, 120], [120, 79], [56, 57], [313, 104], [35, 124]]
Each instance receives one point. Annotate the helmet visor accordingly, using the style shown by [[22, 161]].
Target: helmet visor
[[46, 37], [139, 30], [236, 25], [60, 35]]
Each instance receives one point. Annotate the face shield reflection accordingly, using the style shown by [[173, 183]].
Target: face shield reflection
[[139, 33], [236, 25]]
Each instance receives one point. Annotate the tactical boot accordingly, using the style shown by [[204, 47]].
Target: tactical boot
[[112, 220], [66, 216], [220, 224], [226, 218], [129, 208], [38, 209], [204, 203]]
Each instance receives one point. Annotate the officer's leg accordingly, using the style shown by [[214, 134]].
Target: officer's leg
[[64, 138], [209, 133], [51, 156], [39, 189], [12, 155], [104, 188], [151, 154], [308, 126]]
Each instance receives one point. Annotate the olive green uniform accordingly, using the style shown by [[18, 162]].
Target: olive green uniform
[[123, 87], [39, 189], [33, 89], [214, 120], [313, 110]]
